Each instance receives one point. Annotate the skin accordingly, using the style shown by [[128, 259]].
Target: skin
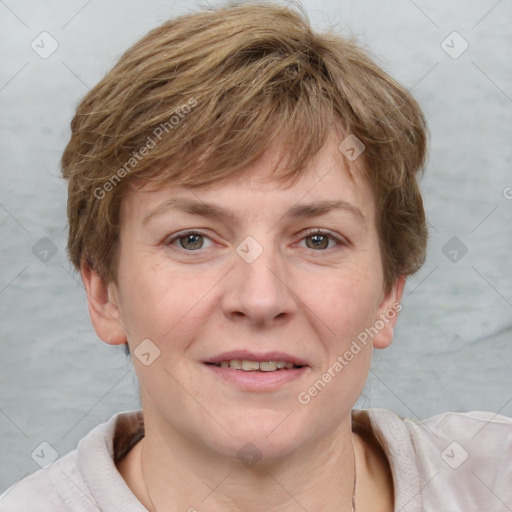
[[295, 297]]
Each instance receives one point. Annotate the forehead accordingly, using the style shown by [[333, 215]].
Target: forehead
[[327, 179]]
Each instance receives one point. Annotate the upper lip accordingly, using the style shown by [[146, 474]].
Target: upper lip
[[246, 355]]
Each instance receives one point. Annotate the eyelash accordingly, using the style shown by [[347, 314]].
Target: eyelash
[[316, 231], [311, 232], [183, 234]]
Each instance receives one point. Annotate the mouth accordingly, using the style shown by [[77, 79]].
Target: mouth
[[257, 372], [247, 365]]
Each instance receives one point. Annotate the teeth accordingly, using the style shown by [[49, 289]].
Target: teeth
[[268, 367], [251, 366]]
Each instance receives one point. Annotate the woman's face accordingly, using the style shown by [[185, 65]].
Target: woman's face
[[267, 273]]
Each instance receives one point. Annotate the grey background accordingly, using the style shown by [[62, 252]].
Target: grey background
[[452, 349]]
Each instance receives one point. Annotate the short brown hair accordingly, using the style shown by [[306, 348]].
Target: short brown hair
[[223, 84]]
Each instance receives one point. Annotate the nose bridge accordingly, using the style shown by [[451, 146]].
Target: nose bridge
[[257, 290]]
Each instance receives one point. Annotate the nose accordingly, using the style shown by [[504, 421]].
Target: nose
[[258, 291]]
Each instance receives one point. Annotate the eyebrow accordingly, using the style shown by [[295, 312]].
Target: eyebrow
[[209, 210], [317, 208]]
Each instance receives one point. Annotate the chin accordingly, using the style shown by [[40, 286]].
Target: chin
[[267, 439], [258, 452]]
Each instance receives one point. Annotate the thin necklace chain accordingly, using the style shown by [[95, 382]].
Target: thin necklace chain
[[353, 491], [355, 475], [143, 479]]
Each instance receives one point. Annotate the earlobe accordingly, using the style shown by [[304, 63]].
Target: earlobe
[[387, 314], [103, 306]]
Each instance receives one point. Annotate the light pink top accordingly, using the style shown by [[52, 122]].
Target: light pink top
[[450, 462]]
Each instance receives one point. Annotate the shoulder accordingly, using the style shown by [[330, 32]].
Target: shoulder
[[463, 460], [467, 456], [36, 492], [85, 479], [458, 438], [478, 432]]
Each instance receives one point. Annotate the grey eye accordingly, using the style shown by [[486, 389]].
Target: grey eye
[[191, 241]]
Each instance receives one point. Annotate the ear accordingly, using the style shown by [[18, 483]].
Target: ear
[[387, 314], [103, 306]]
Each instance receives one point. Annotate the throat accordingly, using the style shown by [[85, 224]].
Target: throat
[[375, 485]]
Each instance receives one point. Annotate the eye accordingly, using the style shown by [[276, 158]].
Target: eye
[[319, 240], [189, 240]]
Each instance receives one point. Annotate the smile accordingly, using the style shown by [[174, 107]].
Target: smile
[[254, 366]]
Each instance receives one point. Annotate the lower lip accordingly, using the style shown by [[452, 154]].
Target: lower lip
[[258, 380]]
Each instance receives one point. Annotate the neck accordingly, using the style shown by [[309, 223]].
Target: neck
[[316, 478]]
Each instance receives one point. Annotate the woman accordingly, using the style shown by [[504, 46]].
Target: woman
[[244, 211]]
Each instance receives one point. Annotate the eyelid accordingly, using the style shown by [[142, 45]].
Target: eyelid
[[340, 240], [169, 241]]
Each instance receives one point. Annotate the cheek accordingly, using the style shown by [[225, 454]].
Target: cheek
[[348, 308], [345, 301], [161, 304]]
